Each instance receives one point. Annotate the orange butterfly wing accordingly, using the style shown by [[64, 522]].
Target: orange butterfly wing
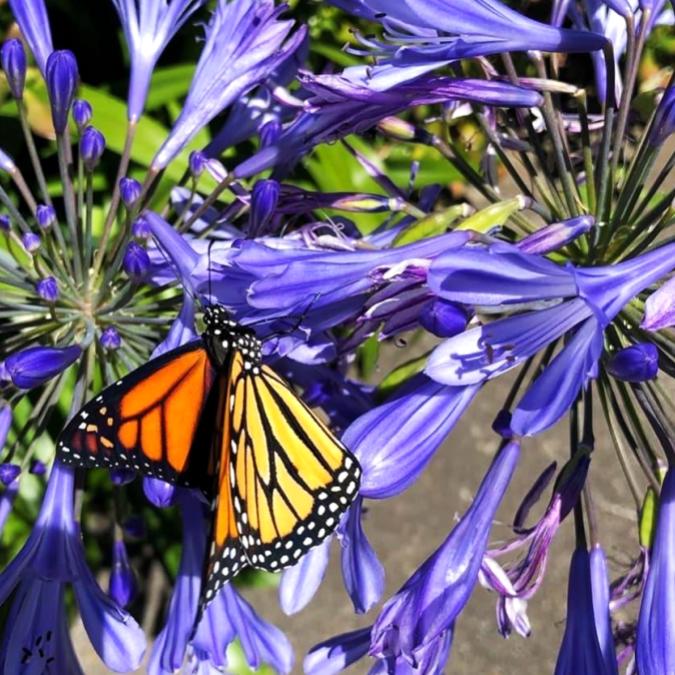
[[147, 421]]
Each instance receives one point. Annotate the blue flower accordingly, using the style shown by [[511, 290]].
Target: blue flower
[[448, 30], [300, 583], [660, 308], [338, 653], [62, 77], [245, 42], [655, 652], [13, 57], [34, 366], [425, 609], [636, 363], [148, 27], [31, 15], [52, 556], [122, 586], [603, 621], [580, 651]]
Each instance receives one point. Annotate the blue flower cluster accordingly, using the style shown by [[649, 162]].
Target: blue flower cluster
[[568, 282]]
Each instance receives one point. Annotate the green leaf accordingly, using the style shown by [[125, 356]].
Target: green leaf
[[169, 84], [493, 216], [401, 374], [647, 525]]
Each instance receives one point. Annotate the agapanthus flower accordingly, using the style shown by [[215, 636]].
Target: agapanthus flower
[[31, 15], [52, 557]]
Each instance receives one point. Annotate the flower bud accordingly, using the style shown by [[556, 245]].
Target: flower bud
[[555, 236], [31, 241], [269, 133], [92, 145], [34, 366], [443, 318], [130, 190], [264, 200], [48, 289], [38, 468], [660, 308], [197, 162], [122, 476], [636, 363], [136, 261], [45, 216], [4, 223], [81, 113], [122, 588], [158, 492], [502, 424], [9, 473], [140, 228], [13, 57], [62, 79], [5, 419], [111, 339], [663, 124]]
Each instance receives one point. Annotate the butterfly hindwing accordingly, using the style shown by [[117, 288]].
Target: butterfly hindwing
[[147, 421], [291, 479]]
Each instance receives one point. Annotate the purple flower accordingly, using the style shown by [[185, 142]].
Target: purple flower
[[31, 15], [31, 241], [122, 476], [136, 261], [48, 289], [34, 366], [362, 572], [37, 468], [555, 236], [663, 124], [600, 595], [130, 191], [5, 223], [13, 57], [197, 161], [655, 652], [300, 583], [9, 472], [396, 440], [149, 25], [425, 609], [338, 653], [245, 42], [158, 492], [264, 199], [45, 216], [446, 30], [111, 339], [580, 651], [503, 276], [443, 318], [122, 586], [636, 363], [7, 502], [82, 113], [229, 616], [660, 308], [52, 556], [169, 648], [92, 146], [62, 79], [140, 228]]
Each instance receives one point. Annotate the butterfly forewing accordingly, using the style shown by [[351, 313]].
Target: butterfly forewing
[[147, 421]]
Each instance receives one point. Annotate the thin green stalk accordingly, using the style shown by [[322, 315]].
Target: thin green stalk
[[69, 202], [32, 152]]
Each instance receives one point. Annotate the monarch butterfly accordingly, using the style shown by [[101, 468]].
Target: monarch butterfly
[[210, 415]]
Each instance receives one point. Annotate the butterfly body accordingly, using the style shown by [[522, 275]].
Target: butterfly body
[[210, 415]]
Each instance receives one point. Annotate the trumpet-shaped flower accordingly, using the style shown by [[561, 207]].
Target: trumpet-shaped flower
[[31, 15]]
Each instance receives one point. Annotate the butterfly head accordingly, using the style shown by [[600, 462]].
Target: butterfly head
[[223, 334]]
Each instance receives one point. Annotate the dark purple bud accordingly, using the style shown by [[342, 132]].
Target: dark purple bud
[[636, 363], [111, 339], [502, 424], [134, 526], [5, 223], [136, 261], [130, 190], [264, 200], [36, 365], [269, 133], [158, 492], [30, 241], [9, 473], [62, 78], [198, 162], [555, 236], [122, 476], [81, 113], [48, 289], [38, 468], [122, 588], [45, 216], [13, 56], [443, 318], [92, 145], [141, 228]]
